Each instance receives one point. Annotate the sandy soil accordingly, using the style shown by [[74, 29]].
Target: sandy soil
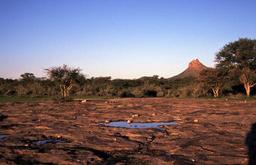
[[207, 132]]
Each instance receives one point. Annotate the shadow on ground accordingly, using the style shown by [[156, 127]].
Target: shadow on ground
[[251, 145]]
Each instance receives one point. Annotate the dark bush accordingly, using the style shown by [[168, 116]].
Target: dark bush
[[11, 93], [150, 93], [126, 94]]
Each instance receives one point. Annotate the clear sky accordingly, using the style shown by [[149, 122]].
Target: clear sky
[[118, 38]]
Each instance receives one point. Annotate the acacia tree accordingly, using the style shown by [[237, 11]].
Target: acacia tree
[[26, 84], [212, 79], [248, 78], [28, 76], [65, 77], [239, 59]]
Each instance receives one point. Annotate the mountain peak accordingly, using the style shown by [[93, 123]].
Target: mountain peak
[[193, 70], [196, 65]]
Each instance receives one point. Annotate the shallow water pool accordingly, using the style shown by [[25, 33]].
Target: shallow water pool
[[124, 124], [3, 137]]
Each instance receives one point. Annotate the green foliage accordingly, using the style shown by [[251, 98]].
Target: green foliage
[[238, 55], [65, 77], [235, 71], [238, 59], [213, 79]]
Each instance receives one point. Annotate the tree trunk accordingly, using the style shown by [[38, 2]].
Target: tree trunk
[[62, 91], [68, 89], [65, 90], [215, 92], [247, 87]]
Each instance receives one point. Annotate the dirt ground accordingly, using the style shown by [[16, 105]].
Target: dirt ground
[[207, 132]]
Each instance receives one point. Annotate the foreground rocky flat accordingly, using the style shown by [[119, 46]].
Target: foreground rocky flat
[[207, 132]]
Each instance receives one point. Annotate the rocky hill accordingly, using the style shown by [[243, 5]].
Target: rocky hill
[[193, 70]]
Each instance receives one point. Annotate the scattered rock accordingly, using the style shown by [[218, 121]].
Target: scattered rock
[[196, 121], [135, 115], [174, 134], [129, 121]]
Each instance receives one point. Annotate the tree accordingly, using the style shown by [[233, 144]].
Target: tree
[[247, 77], [28, 76], [213, 79], [65, 77], [239, 57]]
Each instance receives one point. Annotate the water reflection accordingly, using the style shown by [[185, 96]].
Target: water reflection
[[123, 124]]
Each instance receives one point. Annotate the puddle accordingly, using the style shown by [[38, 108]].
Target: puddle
[[124, 124], [46, 141], [3, 137]]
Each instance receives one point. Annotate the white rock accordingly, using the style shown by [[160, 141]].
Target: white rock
[[129, 121], [135, 115], [195, 121]]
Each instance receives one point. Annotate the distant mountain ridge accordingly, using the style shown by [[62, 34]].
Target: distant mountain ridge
[[193, 70]]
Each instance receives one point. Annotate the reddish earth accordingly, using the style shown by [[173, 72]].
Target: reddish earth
[[207, 132]]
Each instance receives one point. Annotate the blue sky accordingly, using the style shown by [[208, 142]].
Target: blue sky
[[118, 38]]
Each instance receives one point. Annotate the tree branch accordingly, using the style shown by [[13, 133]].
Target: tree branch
[[252, 85]]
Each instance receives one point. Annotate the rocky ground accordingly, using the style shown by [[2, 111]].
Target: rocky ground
[[207, 132]]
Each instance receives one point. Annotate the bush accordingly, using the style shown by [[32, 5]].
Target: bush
[[150, 93], [126, 94]]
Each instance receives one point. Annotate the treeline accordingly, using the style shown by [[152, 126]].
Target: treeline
[[234, 75], [101, 87], [106, 87]]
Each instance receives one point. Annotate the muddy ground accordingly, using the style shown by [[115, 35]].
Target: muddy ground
[[207, 132]]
